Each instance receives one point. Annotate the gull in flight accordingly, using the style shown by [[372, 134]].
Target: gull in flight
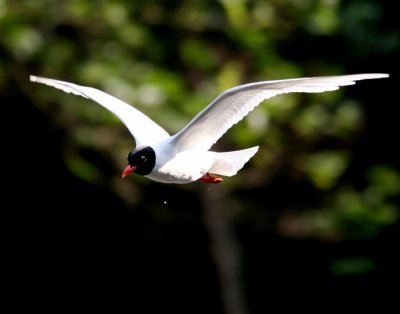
[[186, 156]]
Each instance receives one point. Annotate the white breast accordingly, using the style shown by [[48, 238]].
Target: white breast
[[184, 167]]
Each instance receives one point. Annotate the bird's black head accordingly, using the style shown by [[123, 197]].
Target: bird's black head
[[141, 161]]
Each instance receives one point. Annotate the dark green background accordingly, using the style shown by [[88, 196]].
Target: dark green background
[[312, 219]]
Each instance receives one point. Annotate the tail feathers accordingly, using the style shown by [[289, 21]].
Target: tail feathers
[[229, 163]]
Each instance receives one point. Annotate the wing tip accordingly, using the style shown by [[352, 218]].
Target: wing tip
[[61, 85], [39, 79], [376, 75], [33, 78]]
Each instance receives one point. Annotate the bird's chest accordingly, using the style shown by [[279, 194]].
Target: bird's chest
[[183, 168]]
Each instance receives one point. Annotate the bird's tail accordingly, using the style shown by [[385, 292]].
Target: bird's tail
[[229, 163]]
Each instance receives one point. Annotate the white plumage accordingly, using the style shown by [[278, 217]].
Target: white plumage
[[185, 156]]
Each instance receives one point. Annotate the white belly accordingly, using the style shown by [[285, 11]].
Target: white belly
[[185, 167]]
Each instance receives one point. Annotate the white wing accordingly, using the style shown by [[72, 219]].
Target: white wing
[[144, 130], [232, 105]]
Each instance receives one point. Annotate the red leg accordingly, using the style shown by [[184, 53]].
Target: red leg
[[211, 178]]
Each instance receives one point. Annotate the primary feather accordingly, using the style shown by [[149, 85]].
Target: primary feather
[[234, 104], [144, 130]]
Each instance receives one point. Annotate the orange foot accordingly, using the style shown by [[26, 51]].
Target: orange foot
[[211, 178]]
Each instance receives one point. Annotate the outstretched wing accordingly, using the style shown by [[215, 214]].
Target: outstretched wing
[[232, 105], [144, 130]]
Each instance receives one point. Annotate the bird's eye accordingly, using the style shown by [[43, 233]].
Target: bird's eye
[[143, 158]]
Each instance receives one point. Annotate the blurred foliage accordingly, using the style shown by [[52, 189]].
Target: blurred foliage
[[349, 213], [171, 58]]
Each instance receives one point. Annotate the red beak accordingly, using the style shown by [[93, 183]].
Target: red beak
[[128, 170]]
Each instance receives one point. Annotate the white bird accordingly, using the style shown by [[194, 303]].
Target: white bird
[[186, 157]]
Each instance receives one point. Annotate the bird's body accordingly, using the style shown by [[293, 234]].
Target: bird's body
[[193, 164], [186, 157], [174, 168]]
